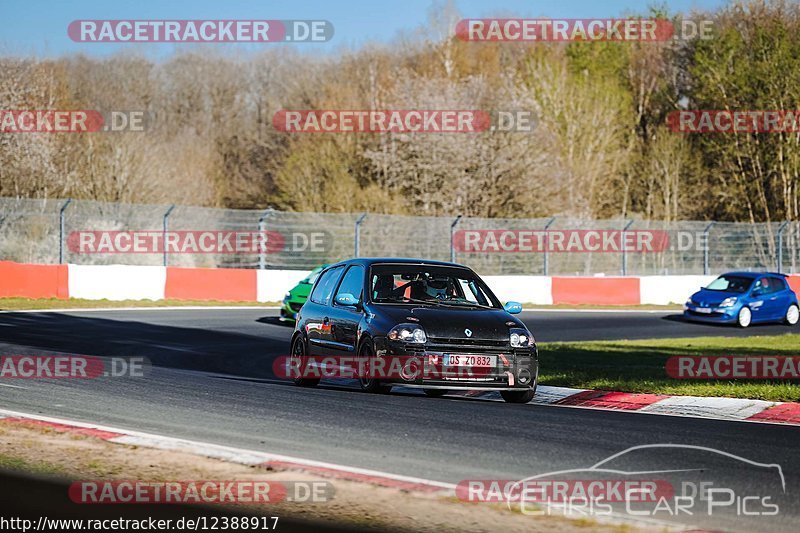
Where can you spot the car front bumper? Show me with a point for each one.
(516, 369)
(289, 309)
(718, 315)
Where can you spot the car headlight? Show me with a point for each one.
(690, 301)
(408, 333)
(287, 296)
(728, 302)
(520, 338)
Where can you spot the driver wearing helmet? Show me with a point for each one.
(437, 289)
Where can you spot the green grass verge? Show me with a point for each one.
(639, 366)
(17, 464)
(20, 304)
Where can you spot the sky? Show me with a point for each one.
(39, 27)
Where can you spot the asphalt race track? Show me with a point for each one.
(211, 380)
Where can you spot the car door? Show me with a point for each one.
(346, 318)
(777, 300)
(756, 300)
(317, 310)
(763, 299)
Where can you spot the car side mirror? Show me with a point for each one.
(513, 308)
(757, 292)
(347, 299)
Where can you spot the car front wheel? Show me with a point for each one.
(792, 315)
(298, 356)
(745, 317)
(513, 396)
(370, 383)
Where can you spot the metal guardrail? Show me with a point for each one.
(36, 231)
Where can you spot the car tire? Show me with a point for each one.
(513, 396)
(744, 318)
(435, 393)
(792, 315)
(299, 351)
(371, 385)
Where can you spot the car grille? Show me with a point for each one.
(713, 314)
(459, 345)
(295, 306)
(499, 375)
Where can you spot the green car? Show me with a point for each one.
(297, 296)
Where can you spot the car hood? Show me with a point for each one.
(712, 298)
(450, 323)
(300, 290)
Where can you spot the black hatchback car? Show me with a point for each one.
(426, 324)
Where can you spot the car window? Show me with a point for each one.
(730, 284)
(434, 284)
(758, 286)
(353, 282)
(767, 285)
(776, 284)
(324, 287)
(312, 277)
(469, 290)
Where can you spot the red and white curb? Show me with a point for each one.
(737, 409)
(227, 453)
(278, 462)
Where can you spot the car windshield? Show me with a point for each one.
(312, 277)
(738, 284)
(430, 285)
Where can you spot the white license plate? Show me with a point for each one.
(705, 310)
(474, 361)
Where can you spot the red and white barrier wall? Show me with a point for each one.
(129, 282)
(33, 281)
(602, 290)
(125, 282)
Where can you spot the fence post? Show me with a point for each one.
(780, 245)
(164, 235)
(625, 248)
(357, 235)
(452, 239)
(705, 248)
(546, 265)
(262, 260)
(61, 231)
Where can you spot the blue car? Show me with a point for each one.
(744, 298)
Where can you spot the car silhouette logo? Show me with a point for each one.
(468, 332)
